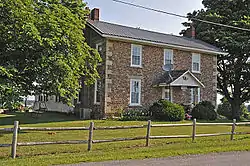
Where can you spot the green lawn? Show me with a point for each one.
(65, 154)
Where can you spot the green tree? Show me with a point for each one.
(9, 91)
(43, 41)
(234, 71)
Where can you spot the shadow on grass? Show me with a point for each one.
(26, 118)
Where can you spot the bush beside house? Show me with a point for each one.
(205, 110)
(167, 111)
(161, 110)
(135, 114)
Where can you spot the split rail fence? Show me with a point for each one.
(91, 128)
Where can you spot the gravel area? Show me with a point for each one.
(217, 159)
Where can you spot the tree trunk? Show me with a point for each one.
(235, 110)
(25, 102)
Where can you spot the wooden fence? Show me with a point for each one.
(91, 128)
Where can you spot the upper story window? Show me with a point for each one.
(135, 92)
(196, 63)
(168, 57)
(136, 55)
(99, 49)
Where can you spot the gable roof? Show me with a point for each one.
(174, 76)
(165, 79)
(116, 31)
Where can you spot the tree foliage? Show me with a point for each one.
(42, 42)
(234, 71)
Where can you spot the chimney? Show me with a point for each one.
(95, 13)
(190, 32)
(193, 31)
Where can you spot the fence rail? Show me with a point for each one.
(91, 129)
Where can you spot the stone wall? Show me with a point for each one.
(120, 72)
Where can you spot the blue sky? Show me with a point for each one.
(127, 15)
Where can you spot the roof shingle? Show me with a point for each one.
(135, 33)
(165, 79)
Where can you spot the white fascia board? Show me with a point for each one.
(196, 79)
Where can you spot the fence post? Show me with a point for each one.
(194, 130)
(90, 141)
(148, 132)
(233, 129)
(14, 139)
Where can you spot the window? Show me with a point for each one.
(166, 95)
(168, 57)
(99, 49)
(136, 55)
(97, 95)
(135, 92)
(196, 63)
(79, 97)
(195, 95)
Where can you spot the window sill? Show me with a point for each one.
(135, 66)
(97, 104)
(197, 72)
(135, 105)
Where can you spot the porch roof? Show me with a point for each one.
(178, 78)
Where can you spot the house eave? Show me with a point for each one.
(196, 79)
(111, 37)
(120, 38)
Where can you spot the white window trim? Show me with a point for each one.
(198, 95)
(172, 56)
(95, 94)
(192, 95)
(78, 97)
(199, 63)
(132, 65)
(96, 47)
(171, 93)
(130, 99)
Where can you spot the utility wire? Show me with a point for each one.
(181, 16)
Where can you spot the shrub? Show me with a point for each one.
(225, 109)
(165, 110)
(205, 110)
(244, 114)
(135, 114)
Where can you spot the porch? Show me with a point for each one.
(180, 86)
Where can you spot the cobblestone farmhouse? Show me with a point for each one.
(133, 72)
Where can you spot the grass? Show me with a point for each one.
(66, 154)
